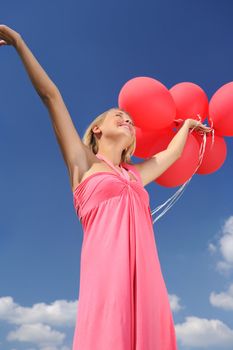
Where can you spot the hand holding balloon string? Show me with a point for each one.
(194, 124)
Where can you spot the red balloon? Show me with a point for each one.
(161, 142)
(213, 158)
(149, 103)
(184, 167)
(190, 100)
(221, 110)
(146, 141)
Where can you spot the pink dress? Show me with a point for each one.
(123, 301)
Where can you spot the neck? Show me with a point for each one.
(113, 155)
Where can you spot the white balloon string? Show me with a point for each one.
(180, 191)
(212, 132)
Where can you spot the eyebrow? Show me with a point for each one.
(127, 114)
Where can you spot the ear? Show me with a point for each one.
(96, 129)
(96, 132)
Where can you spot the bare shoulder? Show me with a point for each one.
(80, 166)
(145, 170)
(137, 166)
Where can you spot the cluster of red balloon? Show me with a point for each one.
(154, 110)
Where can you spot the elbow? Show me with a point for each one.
(50, 95)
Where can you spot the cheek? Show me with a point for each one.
(111, 127)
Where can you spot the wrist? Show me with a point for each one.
(17, 41)
(187, 123)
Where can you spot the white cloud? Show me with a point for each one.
(204, 333)
(212, 248)
(58, 313)
(35, 321)
(223, 266)
(37, 333)
(224, 246)
(175, 303)
(226, 241)
(223, 300)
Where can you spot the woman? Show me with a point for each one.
(123, 301)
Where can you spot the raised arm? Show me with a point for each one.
(75, 154)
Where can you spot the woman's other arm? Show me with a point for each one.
(153, 167)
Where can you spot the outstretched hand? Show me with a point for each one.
(8, 36)
(194, 124)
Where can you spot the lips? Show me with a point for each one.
(125, 125)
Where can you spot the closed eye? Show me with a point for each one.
(132, 123)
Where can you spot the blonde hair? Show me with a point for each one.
(90, 140)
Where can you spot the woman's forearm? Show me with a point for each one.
(178, 141)
(40, 80)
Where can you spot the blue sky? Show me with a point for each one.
(90, 49)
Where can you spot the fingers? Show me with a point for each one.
(8, 35)
(201, 126)
(204, 129)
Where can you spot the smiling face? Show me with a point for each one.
(123, 120)
(117, 123)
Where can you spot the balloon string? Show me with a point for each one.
(212, 132)
(180, 191)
